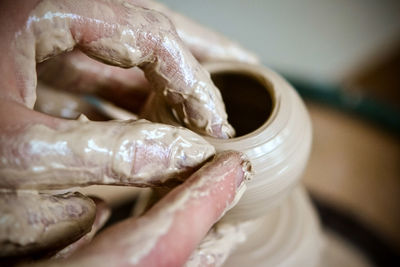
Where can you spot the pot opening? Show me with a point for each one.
(247, 101)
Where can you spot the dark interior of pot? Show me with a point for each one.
(247, 101)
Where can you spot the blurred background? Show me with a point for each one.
(344, 59)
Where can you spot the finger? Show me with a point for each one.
(169, 232)
(103, 212)
(40, 152)
(217, 245)
(204, 43)
(33, 222)
(122, 35)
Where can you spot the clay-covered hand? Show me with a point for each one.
(168, 233)
(124, 34)
(39, 152)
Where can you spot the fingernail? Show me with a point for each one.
(247, 171)
(222, 131)
(227, 131)
(241, 181)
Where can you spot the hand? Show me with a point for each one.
(168, 233)
(39, 152)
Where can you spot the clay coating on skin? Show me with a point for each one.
(136, 153)
(103, 213)
(32, 221)
(228, 172)
(141, 37)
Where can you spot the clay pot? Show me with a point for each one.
(273, 130)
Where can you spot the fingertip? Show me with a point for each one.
(221, 131)
(227, 131)
(103, 212)
(53, 221)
